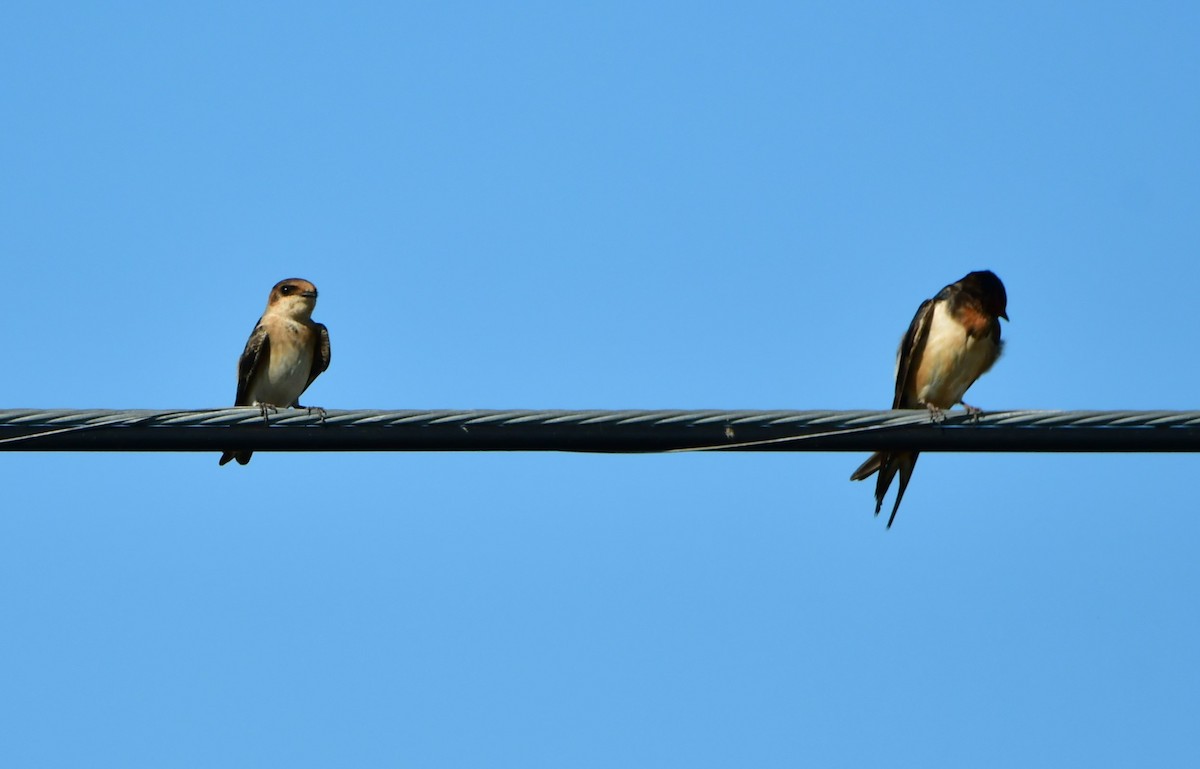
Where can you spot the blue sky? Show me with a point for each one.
(619, 205)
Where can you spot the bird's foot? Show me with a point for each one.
(936, 415)
(974, 412)
(267, 408)
(310, 409)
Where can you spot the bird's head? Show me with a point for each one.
(990, 291)
(294, 297)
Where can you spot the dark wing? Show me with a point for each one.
(911, 348)
(320, 354)
(257, 352)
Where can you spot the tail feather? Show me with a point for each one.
(865, 470)
(242, 457)
(906, 461)
(887, 471)
(887, 465)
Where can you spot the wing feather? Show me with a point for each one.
(320, 354)
(257, 352)
(911, 348)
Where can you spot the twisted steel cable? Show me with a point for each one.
(625, 431)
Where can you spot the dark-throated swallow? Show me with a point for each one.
(953, 339)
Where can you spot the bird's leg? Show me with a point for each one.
(936, 414)
(974, 412)
(264, 409)
(310, 409)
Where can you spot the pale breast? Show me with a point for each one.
(284, 377)
(951, 361)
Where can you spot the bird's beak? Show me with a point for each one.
(313, 295)
(1004, 315)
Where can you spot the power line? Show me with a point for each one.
(596, 431)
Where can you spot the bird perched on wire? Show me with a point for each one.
(287, 350)
(953, 339)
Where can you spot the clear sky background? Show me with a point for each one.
(615, 205)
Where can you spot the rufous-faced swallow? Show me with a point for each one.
(953, 339)
(285, 353)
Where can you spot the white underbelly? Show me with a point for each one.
(282, 380)
(951, 361)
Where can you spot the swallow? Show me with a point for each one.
(286, 351)
(953, 340)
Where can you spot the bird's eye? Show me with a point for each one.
(285, 290)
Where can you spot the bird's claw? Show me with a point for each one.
(974, 412)
(320, 412)
(936, 415)
(267, 408)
